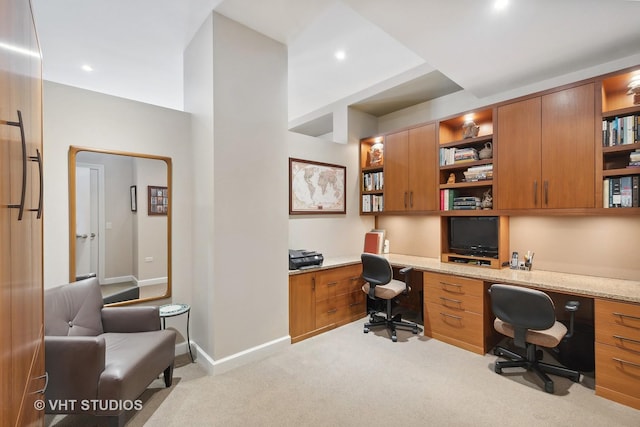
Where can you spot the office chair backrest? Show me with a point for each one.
(522, 308)
(376, 269)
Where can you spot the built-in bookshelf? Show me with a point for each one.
(620, 142)
(466, 161)
(372, 175)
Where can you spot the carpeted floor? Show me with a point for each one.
(347, 378)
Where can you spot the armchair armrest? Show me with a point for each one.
(131, 319)
(407, 277)
(74, 365)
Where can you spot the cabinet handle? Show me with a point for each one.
(38, 158)
(405, 199)
(411, 199)
(445, 284)
(546, 193)
(628, 316)
(626, 339)
(20, 124)
(535, 193)
(451, 300)
(451, 315)
(353, 304)
(353, 279)
(313, 283)
(625, 362)
(46, 383)
(332, 283)
(332, 311)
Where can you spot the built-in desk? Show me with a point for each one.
(616, 308)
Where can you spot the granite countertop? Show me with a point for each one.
(574, 284)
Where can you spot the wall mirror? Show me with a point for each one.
(120, 223)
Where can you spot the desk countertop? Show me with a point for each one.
(574, 284)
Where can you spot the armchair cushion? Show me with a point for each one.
(74, 310)
(131, 319)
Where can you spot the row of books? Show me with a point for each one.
(372, 203)
(479, 173)
(451, 156)
(373, 181)
(634, 158)
(621, 192)
(450, 201)
(621, 131)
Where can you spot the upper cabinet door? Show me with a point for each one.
(519, 157)
(568, 148)
(396, 154)
(423, 173)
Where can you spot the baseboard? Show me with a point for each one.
(217, 367)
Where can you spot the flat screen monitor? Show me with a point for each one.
(474, 235)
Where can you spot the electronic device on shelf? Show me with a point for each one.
(476, 236)
(300, 259)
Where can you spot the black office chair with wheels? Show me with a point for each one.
(528, 316)
(381, 286)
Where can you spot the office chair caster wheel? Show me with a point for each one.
(394, 338)
(415, 331)
(548, 387)
(366, 330)
(497, 369)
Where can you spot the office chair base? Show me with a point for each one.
(391, 324)
(532, 363)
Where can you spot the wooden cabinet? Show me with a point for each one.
(455, 310)
(21, 307)
(324, 299)
(410, 170)
(617, 327)
(546, 155)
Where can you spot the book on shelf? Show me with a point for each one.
(621, 192)
(372, 181)
(621, 130)
(372, 203)
(626, 199)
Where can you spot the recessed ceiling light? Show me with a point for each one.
(500, 4)
(87, 68)
(341, 55)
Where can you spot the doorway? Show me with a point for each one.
(90, 220)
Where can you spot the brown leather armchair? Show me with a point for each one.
(101, 359)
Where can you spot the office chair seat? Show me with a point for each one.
(528, 316)
(380, 285)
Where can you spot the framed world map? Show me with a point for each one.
(316, 188)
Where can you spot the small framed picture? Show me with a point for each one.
(158, 200)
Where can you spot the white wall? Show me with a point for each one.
(240, 166)
(79, 117)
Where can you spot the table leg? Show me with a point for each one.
(188, 338)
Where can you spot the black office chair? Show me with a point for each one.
(380, 285)
(528, 316)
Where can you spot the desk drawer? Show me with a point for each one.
(341, 308)
(454, 302)
(337, 281)
(454, 285)
(624, 317)
(618, 370)
(442, 323)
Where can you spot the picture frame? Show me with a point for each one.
(133, 193)
(158, 200)
(316, 187)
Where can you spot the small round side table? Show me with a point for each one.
(171, 310)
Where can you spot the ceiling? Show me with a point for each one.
(397, 53)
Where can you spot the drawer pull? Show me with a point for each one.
(353, 304)
(332, 311)
(332, 283)
(628, 316)
(451, 315)
(353, 279)
(455, 301)
(624, 362)
(626, 339)
(46, 383)
(458, 287)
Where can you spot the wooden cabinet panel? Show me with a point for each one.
(568, 148)
(324, 299)
(546, 155)
(302, 305)
(410, 173)
(617, 328)
(459, 328)
(454, 285)
(519, 157)
(396, 191)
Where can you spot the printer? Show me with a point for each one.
(300, 259)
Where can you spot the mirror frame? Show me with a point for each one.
(73, 153)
